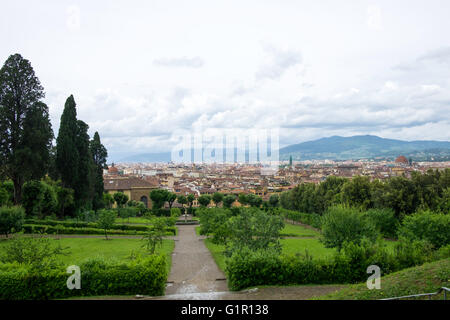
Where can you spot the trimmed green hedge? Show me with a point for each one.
(145, 276)
(48, 229)
(74, 224)
(311, 219)
(247, 268)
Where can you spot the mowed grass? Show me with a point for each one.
(295, 230)
(426, 278)
(80, 249)
(133, 220)
(217, 253)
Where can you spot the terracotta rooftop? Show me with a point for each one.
(126, 183)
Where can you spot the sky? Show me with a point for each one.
(139, 70)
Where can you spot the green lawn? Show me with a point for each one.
(80, 249)
(133, 220)
(426, 278)
(295, 230)
(217, 253)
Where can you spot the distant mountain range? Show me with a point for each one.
(343, 148)
(366, 147)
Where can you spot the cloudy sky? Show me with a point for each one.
(141, 69)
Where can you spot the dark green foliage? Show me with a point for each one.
(171, 197)
(356, 192)
(311, 219)
(154, 236)
(37, 252)
(217, 197)
(99, 155)
(25, 130)
(67, 157)
(98, 277)
(6, 193)
(247, 268)
(429, 226)
(274, 200)
(159, 198)
(39, 199)
(11, 219)
(384, 220)
(255, 229)
(215, 222)
(120, 198)
(228, 201)
(344, 224)
(204, 200)
(84, 184)
(106, 219)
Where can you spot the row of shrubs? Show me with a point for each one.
(59, 229)
(247, 268)
(341, 223)
(145, 276)
(81, 224)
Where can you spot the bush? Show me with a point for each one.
(384, 220)
(311, 219)
(426, 225)
(341, 224)
(247, 268)
(11, 219)
(98, 277)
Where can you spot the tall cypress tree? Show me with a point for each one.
(67, 158)
(99, 155)
(84, 185)
(21, 113)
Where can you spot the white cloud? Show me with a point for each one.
(73, 21)
(374, 21)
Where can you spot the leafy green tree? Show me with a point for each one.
(190, 198)
(228, 201)
(11, 219)
(154, 236)
(217, 198)
(25, 128)
(182, 200)
(99, 155)
(243, 199)
(6, 193)
(159, 198)
(427, 225)
(254, 229)
(106, 220)
(120, 198)
(342, 224)
(171, 197)
(204, 200)
(274, 200)
(400, 195)
(444, 203)
(254, 200)
(108, 200)
(39, 199)
(357, 192)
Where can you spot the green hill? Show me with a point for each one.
(366, 147)
(426, 278)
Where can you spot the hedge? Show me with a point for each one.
(145, 276)
(311, 219)
(48, 229)
(247, 268)
(74, 224)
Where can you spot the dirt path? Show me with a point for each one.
(193, 267)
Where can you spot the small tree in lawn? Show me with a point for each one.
(11, 219)
(154, 236)
(106, 220)
(190, 198)
(120, 198)
(171, 197)
(204, 200)
(182, 200)
(108, 200)
(217, 198)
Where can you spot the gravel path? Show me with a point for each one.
(193, 267)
